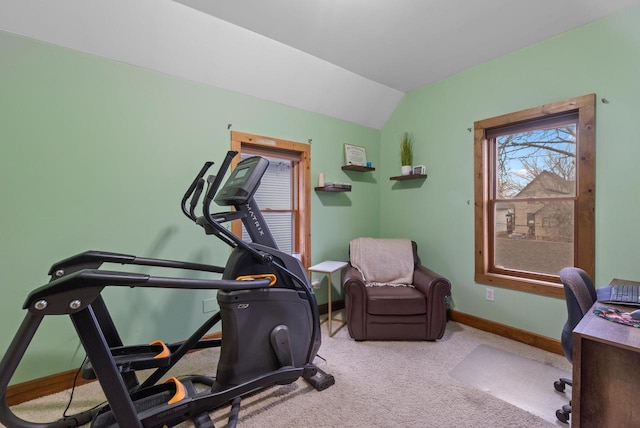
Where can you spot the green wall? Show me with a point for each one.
(97, 154)
(602, 58)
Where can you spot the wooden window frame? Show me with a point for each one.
(260, 143)
(584, 226)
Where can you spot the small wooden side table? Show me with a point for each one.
(328, 268)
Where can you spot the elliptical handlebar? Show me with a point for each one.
(197, 187)
(214, 181)
(217, 180)
(84, 287)
(196, 198)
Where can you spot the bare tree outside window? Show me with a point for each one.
(524, 156)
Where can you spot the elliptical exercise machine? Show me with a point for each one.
(269, 315)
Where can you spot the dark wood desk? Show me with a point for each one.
(606, 373)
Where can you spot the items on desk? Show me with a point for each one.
(616, 315)
(621, 294)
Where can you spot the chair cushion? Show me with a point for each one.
(389, 300)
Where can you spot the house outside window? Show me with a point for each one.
(535, 193)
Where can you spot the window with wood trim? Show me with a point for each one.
(535, 195)
(284, 192)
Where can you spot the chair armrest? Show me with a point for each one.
(354, 287)
(435, 287)
(430, 283)
(352, 275)
(355, 296)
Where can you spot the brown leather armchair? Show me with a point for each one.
(397, 312)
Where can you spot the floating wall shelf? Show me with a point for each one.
(409, 177)
(357, 168)
(331, 189)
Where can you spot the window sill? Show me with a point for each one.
(544, 288)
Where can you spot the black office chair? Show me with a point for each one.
(580, 294)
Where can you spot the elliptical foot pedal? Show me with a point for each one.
(156, 397)
(136, 357)
(321, 380)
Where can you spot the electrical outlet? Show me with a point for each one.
(489, 294)
(209, 305)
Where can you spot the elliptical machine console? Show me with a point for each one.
(243, 182)
(270, 320)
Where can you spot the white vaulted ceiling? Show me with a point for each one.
(349, 59)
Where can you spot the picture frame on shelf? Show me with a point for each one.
(419, 170)
(355, 155)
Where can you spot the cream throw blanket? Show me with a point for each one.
(383, 261)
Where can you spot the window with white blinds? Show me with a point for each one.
(275, 198)
(284, 196)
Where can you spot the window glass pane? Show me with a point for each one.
(275, 193)
(534, 236)
(536, 163)
(281, 226)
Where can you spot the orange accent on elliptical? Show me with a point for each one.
(271, 276)
(180, 390)
(165, 351)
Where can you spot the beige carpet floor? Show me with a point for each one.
(379, 384)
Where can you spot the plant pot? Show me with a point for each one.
(405, 169)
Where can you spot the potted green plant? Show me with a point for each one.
(406, 152)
